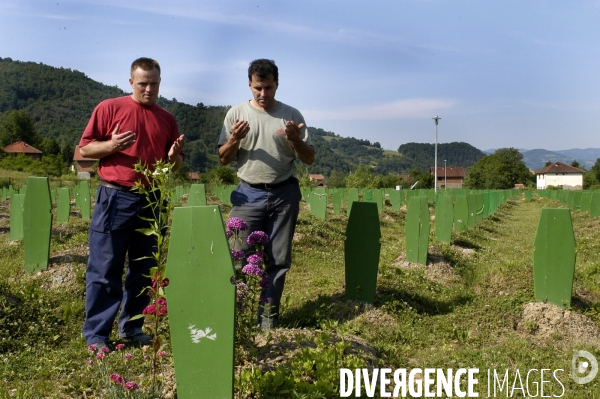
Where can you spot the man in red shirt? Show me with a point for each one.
(121, 132)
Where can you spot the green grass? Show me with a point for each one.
(468, 322)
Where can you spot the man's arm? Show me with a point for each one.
(174, 154)
(229, 150)
(100, 149)
(305, 152)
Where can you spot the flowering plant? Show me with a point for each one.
(157, 191)
(250, 278)
(117, 384)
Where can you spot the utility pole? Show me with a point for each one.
(436, 119)
(445, 183)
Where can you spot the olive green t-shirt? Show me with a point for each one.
(265, 154)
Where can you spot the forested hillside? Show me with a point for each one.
(59, 102)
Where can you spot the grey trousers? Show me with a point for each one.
(274, 211)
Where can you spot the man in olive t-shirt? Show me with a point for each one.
(266, 136)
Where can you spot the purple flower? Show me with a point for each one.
(237, 224)
(254, 259)
(257, 237)
(264, 282)
(242, 289)
(165, 282)
(237, 254)
(228, 232)
(130, 385)
(251, 269)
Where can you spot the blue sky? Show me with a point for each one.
(501, 73)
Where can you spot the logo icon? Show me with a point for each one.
(580, 366)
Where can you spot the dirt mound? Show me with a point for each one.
(277, 347)
(437, 270)
(545, 320)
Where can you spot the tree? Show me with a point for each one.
(336, 179)
(500, 170)
(17, 126)
(575, 164)
(362, 178)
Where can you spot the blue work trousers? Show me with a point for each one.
(112, 238)
(274, 211)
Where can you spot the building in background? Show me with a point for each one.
(449, 176)
(559, 174)
(21, 147)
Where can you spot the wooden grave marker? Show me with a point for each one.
(554, 257)
(197, 195)
(361, 249)
(63, 208)
(201, 302)
(444, 216)
(17, 209)
(417, 230)
(37, 224)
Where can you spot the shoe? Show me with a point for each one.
(140, 339)
(99, 347)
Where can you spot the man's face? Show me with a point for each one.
(263, 91)
(145, 85)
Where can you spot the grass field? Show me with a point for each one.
(464, 310)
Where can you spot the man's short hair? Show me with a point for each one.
(147, 64)
(263, 68)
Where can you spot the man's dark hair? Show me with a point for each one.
(147, 64)
(263, 68)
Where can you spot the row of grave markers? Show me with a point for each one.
(199, 262)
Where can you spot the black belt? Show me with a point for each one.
(268, 186)
(114, 185)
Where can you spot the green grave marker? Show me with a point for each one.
(528, 195)
(197, 195)
(17, 208)
(461, 213)
(417, 230)
(63, 208)
(378, 199)
(586, 198)
(361, 249)
(23, 189)
(337, 202)
(201, 301)
(472, 206)
(396, 200)
(480, 207)
(486, 203)
(37, 224)
(595, 204)
(444, 216)
(318, 204)
(554, 257)
(577, 200)
(85, 200)
(352, 197)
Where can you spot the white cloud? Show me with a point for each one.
(399, 109)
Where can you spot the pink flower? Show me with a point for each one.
(130, 385)
(119, 347)
(90, 362)
(105, 350)
(100, 355)
(162, 311)
(251, 269)
(92, 348)
(150, 309)
(128, 356)
(162, 353)
(161, 301)
(165, 282)
(117, 378)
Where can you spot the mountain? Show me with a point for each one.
(536, 159)
(60, 102)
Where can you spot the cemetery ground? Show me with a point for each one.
(470, 307)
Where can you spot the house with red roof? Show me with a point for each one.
(83, 164)
(21, 147)
(559, 174)
(449, 176)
